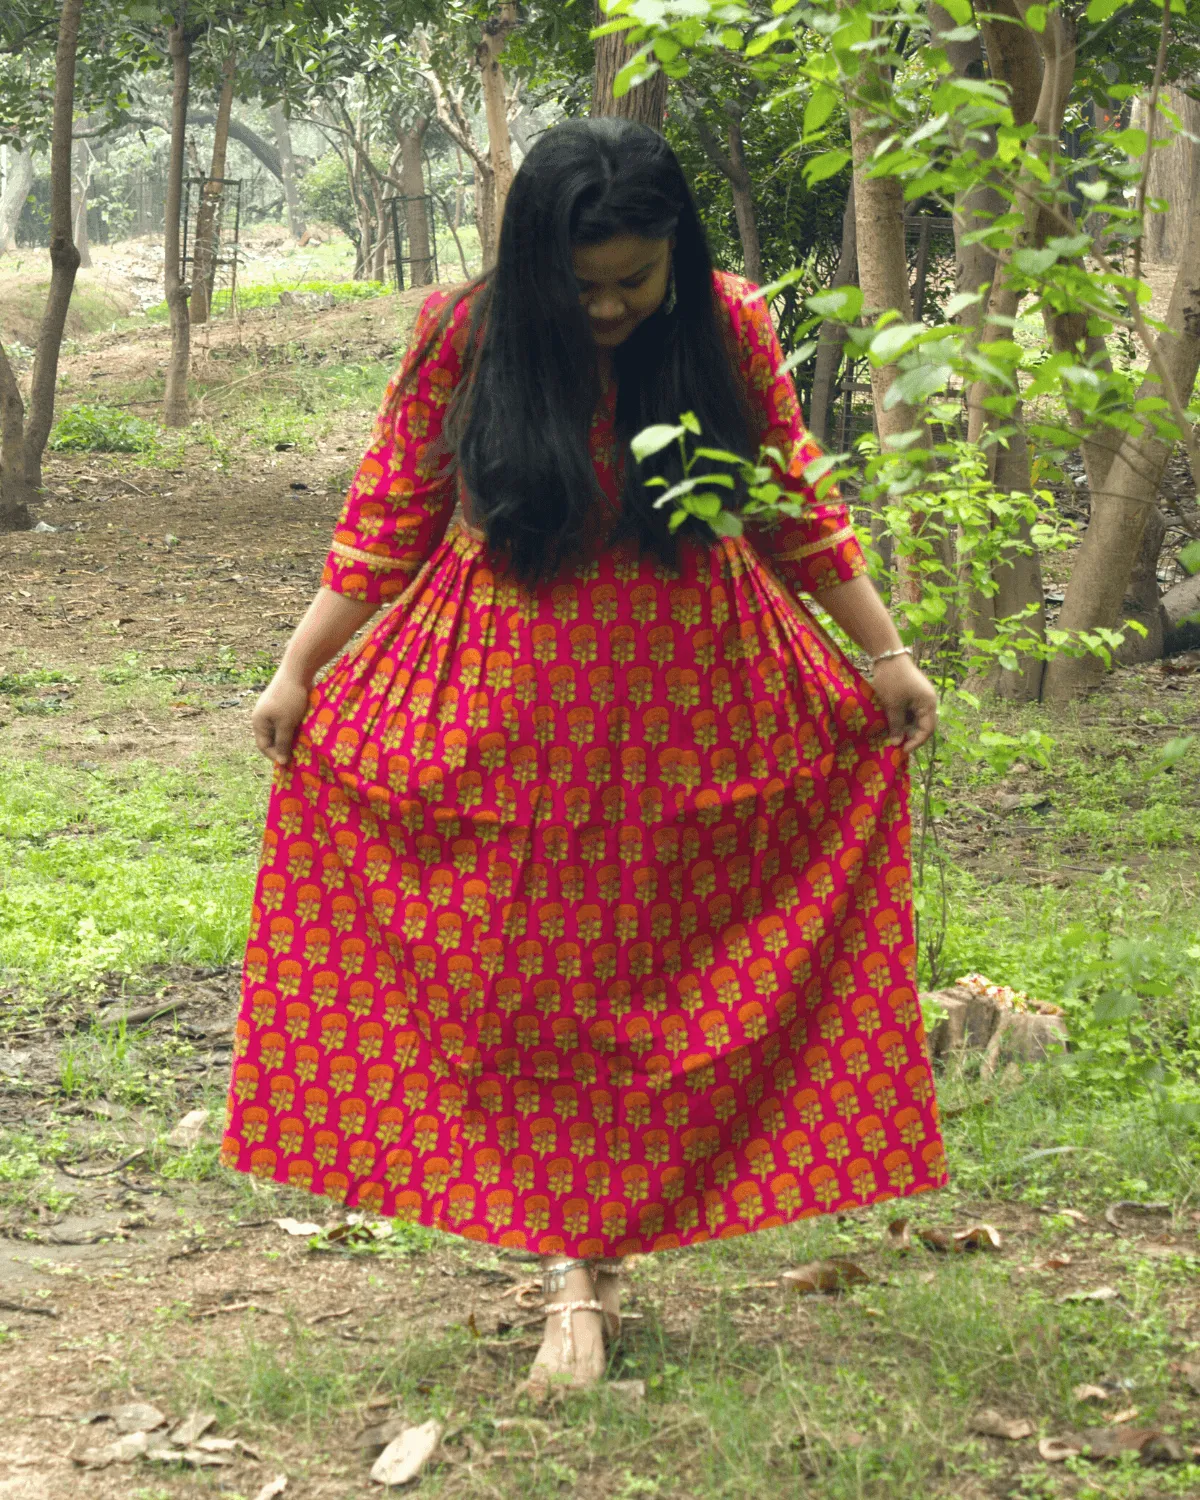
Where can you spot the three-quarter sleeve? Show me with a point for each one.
(819, 549)
(403, 493)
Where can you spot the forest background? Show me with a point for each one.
(978, 231)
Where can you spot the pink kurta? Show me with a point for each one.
(584, 920)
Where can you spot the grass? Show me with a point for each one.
(115, 870)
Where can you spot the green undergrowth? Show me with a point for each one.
(112, 870)
(266, 294)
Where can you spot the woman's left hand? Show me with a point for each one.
(908, 698)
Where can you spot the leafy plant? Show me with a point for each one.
(101, 429)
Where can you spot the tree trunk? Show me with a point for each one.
(1121, 510)
(1180, 609)
(16, 190)
(882, 263)
(16, 496)
(412, 186)
(287, 165)
(83, 175)
(485, 213)
(495, 104)
(743, 204)
(208, 217)
(1141, 602)
(646, 103)
(1016, 60)
(175, 399)
(832, 338)
(64, 258)
(1172, 172)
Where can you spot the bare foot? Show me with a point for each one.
(572, 1353)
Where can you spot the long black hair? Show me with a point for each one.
(522, 415)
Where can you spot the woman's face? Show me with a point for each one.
(621, 282)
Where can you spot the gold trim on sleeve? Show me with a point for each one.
(373, 559)
(811, 548)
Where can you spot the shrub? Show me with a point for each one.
(100, 429)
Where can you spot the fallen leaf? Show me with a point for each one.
(898, 1235)
(1053, 1263)
(1099, 1294)
(1189, 1371)
(940, 1240)
(1128, 1206)
(977, 1237)
(216, 1445)
(122, 1450)
(296, 1227)
(825, 1276)
(1068, 1213)
(137, 1416)
(405, 1456)
(194, 1458)
(1091, 1393)
(1057, 1450)
(1111, 1442)
(990, 1423)
(273, 1488)
(627, 1392)
(1162, 1448)
(371, 1441)
(185, 1433)
(189, 1129)
(1127, 1414)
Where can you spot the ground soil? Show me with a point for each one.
(142, 1277)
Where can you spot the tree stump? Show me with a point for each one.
(979, 1023)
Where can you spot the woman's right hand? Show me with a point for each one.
(277, 716)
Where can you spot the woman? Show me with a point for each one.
(584, 919)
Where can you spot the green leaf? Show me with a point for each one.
(1189, 557)
(1115, 1005)
(653, 440)
(841, 302)
(828, 164)
(958, 10)
(961, 300)
(666, 48)
(1034, 262)
(914, 385)
(888, 344)
(1100, 10)
(1035, 18)
(818, 109)
(1095, 191)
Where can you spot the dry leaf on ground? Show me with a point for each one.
(936, 1239)
(990, 1423)
(189, 1130)
(1098, 1294)
(1057, 1450)
(977, 1237)
(136, 1416)
(1189, 1373)
(193, 1458)
(898, 1235)
(296, 1227)
(273, 1488)
(185, 1433)
(1091, 1393)
(627, 1392)
(1057, 1262)
(1127, 1414)
(405, 1457)
(833, 1275)
(122, 1450)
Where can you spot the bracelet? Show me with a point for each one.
(888, 655)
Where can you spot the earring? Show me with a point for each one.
(670, 299)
